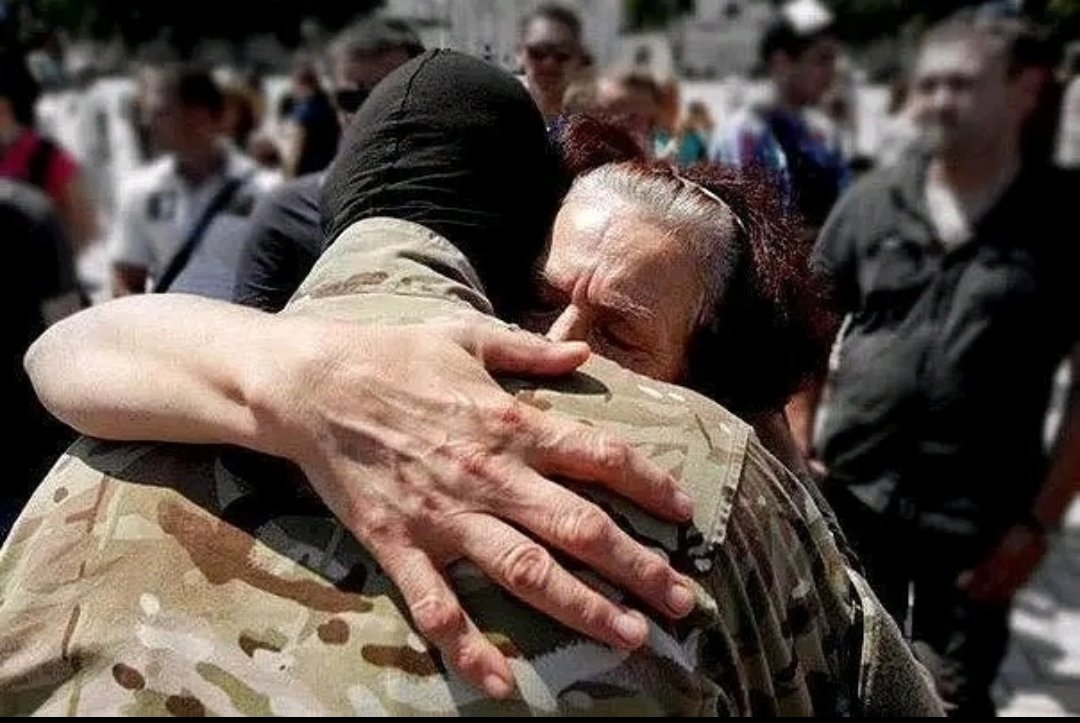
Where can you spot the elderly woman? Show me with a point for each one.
(187, 383)
(691, 276)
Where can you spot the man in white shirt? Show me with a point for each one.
(184, 216)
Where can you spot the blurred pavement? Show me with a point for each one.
(1041, 674)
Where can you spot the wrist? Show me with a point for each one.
(271, 386)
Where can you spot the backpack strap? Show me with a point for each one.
(198, 231)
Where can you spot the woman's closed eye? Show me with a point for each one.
(547, 303)
(617, 336)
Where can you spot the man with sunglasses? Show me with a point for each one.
(285, 237)
(551, 54)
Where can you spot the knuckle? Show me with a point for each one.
(527, 567)
(424, 504)
(486, 477)
(375, 525)
(509, 417)
(666, 489)
(437, 617)
(468, 657)
(648, 567)
(476, 462)
(592, 612)
(584, 526)
(613, 453)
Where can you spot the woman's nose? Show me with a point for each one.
(569, 326)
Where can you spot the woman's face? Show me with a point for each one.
(622, 284)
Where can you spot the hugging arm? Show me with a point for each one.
(402, 433)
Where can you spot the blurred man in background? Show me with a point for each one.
(955, 267)
(27, 156)
(785, 135)
(285, 237)
(181, 219)
(551, 54)
(313, 130)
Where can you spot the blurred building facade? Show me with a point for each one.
(718, 39)
(489, 28)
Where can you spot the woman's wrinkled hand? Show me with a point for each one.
(426, 460)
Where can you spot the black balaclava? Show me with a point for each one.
(453, 143)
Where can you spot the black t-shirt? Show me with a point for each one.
(41, 272)
(284, 241)
(936, 407)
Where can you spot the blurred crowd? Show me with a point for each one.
(726, 248)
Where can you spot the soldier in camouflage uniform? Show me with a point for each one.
(151, 578)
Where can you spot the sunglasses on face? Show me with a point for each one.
(540, 52)
(350, 100)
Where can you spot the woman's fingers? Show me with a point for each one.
(500, 483)
(440, 619)
(561, 446)
(513, 351)
(562, 519)
(529, 572)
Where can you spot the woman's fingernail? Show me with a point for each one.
(684, 505)
(632, 628)
(680, 599)
(497, 686)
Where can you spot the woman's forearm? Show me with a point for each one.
(163, 367)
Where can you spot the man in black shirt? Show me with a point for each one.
(285, 238)
(957, 272)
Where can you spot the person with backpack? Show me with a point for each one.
(784, 135)
(182, 219)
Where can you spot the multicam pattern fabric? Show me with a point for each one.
(150, 579)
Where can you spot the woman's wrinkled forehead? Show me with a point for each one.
(618, 251)
(661, 195)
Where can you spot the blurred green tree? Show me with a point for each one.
(862, 22)
(1065, 16)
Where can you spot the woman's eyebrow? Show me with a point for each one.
(612, 302)
(616, 303)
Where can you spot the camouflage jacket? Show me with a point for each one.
(148, 579)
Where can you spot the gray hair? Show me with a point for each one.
(683, 209)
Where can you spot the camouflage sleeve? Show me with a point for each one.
(781, 589)
(891, 682)
(808, 636)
